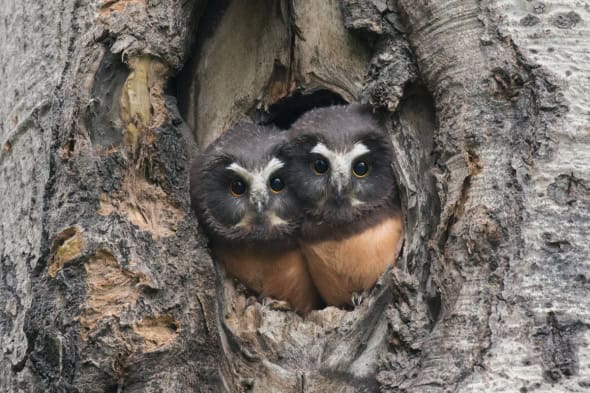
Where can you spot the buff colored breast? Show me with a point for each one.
(281, 275)
(343, 266)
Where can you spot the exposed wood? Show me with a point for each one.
(116, 291)
(251, 54)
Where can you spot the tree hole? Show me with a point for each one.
(102, 114)
(272, 62)
(287, 110)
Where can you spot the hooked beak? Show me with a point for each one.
(340, 177)
(259, 196)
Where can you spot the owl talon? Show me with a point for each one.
(357, 298)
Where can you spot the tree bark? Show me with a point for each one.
(106, 283)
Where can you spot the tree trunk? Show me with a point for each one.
(106, 283)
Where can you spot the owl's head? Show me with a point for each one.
(340, 160)
(238, 186)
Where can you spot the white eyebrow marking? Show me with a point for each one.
(358, 149)
(257, 179)
(273, 165)
(320, 148)
(240, 171)
(341, 162)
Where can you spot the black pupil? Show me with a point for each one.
(238, 187)
(321, 165)
(276, 183)
(361, 168)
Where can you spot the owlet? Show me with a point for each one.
(340, 163)
(241, 196)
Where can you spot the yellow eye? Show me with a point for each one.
(360, 169)
(320, 166)
(276, 184)
(237, 187)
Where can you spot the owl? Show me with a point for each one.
(340, 165)
(242, 198)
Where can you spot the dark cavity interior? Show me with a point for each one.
(287, 110)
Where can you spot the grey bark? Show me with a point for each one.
(106, 283)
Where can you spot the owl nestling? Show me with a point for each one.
(241, 197)
(340, 163)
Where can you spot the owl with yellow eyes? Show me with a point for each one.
(339, 162)
(241, 195)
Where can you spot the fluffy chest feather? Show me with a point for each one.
(340, 267)
(280, 274)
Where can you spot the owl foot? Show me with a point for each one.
(356, 299)
(277, 305)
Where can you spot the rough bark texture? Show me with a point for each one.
(106, 284)
(509, 256)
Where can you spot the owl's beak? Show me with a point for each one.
(258, 195)
(259, 203)
(340, 178)
(340, 184)
(339, 187)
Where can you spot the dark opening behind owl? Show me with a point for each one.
(340, 162)
(241, 197)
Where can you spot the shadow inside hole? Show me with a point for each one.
(101, 116)
(287, 110)
(434, 302)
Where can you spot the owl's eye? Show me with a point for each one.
(360, 169)
(237, 187)
(320, 166)
(276, 184)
